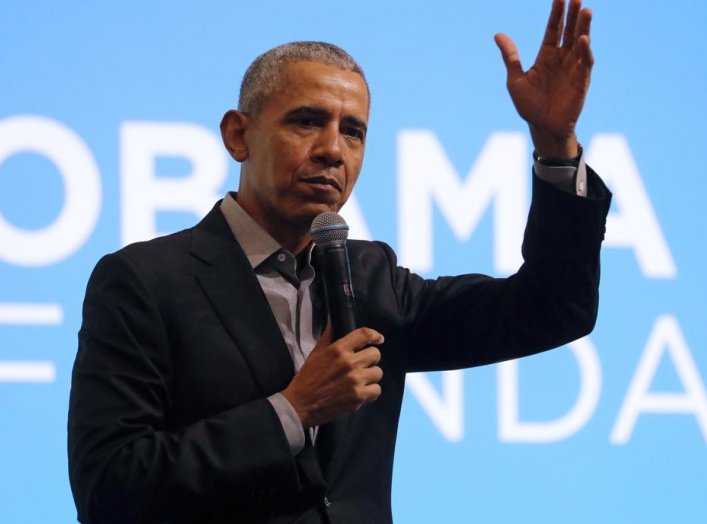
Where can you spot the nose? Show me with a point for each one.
(327, 149)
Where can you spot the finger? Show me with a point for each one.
(585, 52)
(325, 339)
(360, 338)
(369, 393)
(570, 36)
(372, 375)
(510, 55)
(553, 31)
(584, 22)
(367, 357)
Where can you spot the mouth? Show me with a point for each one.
(326, 181)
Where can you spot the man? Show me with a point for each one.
(207, 387)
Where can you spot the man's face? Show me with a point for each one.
(304, 149)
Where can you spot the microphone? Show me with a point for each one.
(329, 233)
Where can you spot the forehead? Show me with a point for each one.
(317, 84)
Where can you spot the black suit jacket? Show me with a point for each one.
(178, 351)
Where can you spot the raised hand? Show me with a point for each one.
(337, 378)
(550, 95)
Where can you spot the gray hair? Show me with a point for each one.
(264, 76)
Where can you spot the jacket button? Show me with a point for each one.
(327, 503)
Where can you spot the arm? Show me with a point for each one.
(553, 298)
(472, 320)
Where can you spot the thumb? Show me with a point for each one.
(327, 336)
(511, 59)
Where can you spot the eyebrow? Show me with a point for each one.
(323, 113)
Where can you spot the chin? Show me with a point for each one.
(323, 206)
(310, 211)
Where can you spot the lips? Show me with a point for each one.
(324, 180)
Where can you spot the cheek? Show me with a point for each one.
(351, 178)
(353, 169)
(289, 156)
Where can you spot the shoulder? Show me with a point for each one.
(369, 248)
(369, 254)
(376, 263)
(153, 256)
(178, 251)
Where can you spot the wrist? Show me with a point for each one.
(292, 399)
(554, 148)
(559, 162)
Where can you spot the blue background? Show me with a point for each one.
(431, 65)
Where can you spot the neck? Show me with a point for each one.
(292, 236)
(295, 244)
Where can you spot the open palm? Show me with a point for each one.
(550, 95)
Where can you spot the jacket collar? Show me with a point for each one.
(234, 292)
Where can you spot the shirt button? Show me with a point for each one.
(327, 503)
(281, 257)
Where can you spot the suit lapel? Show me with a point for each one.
(234, 292)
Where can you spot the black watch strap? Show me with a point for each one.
(553, 162)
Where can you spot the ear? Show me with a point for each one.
(233, 126)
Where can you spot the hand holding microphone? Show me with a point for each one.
(341, 373)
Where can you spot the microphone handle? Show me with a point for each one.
(333, 262)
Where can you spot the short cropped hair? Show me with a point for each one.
(264, 76)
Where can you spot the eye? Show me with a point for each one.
(355, 132)
(306, 121)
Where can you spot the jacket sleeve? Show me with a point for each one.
(471, 320)
(127, 461)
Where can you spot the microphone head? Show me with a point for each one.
(329, 227)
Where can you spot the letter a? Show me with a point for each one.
(666, 335)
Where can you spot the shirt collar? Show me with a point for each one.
(256, 243)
